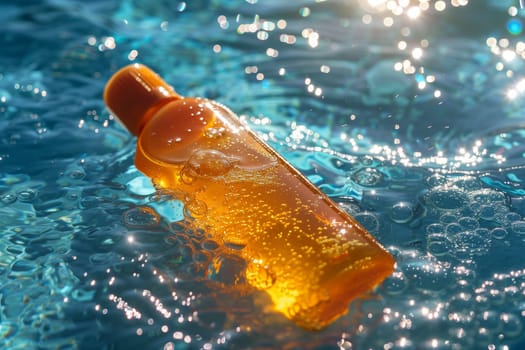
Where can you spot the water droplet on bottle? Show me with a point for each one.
(259, 276)
(195, 208)
(141, 217)
(214, 133)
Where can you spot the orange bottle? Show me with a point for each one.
(311, 257)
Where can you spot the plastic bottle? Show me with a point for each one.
(311, 257)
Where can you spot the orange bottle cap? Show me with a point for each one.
(132, 92)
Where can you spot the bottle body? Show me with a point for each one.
(299, 247)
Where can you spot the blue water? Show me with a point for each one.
(411, 117)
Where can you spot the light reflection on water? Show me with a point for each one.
(408, 113)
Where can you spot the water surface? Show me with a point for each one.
(407, 113)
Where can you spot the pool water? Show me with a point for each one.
(407, 113)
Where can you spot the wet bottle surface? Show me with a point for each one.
(306, 253)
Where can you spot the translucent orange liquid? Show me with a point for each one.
(306, 253)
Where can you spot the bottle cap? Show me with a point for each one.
(133, 91)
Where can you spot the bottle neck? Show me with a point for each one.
(134, 92)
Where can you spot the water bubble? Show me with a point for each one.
(487, 197)
(461, 304)
(436, 180)
(178, 227)
(468, 223)
(201, 257)
(367, 177)
(395, 284)
(435, 228)
(369, 161)
(490, 320)
(447, 198)
(511, 217)
(487, 212)
(259, 276)
(368, 220)
(209, 244)
(468, 183)
(235, 239)
(198, 233)
(402, 212)
(495, 296)
(453, 229)
(439, 244)
(429, 277)
(187, 176)
(26, 195)
(499, 233)
(470, 243)
(464, 274)
(196, 208)
(141, 217)
(77, 174)
(448, 218)
(512, 326)
(518, 227)
(8, 198)
(209, 163)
